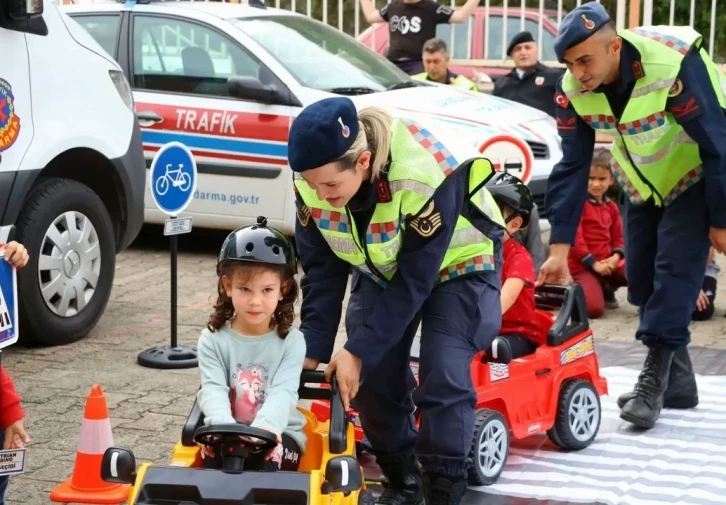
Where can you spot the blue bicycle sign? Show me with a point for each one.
(180, 179)
(173, 178)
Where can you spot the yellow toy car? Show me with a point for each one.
(328, 473)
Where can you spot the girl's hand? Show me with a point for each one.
(206, 450)
(15, 253)
(15, 436)
(271, 453)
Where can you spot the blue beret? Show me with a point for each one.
(322, 133)
(578, 26)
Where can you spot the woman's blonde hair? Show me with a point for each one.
(374, 136)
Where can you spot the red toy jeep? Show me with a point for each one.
(555, 390)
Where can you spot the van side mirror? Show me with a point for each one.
(25, 9)
(118, 466)
(249, 88)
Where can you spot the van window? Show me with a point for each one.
(103, 28)
(186, 57)
(514, 26)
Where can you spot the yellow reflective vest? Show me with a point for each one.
(419, 164)
(653, 156)
(459, 81)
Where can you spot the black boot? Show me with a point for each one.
(443, 490)
(682, 391)
(644, 408)
(403, 480)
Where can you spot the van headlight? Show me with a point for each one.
(123, 88)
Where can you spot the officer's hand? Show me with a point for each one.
(718, 239)
(16, 254)
(702, 301)
(310, 364)
(554, 271)
(346, 368)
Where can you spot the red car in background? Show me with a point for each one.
(468, 59)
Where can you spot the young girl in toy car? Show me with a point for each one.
(250, 357)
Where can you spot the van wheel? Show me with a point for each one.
(66, 284)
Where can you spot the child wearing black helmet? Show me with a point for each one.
(519, 328)
(250, 356)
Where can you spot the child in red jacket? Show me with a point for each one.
(597, 259)
(12, 435)
(519, 320)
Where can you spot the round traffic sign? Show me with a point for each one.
(173, 178)
(509, 154)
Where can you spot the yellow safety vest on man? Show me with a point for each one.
(419, 164)
(459, 81)
(653, 156)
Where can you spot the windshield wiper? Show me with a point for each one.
(352, 90)
(404, 85)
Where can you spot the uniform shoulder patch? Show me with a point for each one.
(304, 215)
(427, 222)
(676, 89)
(562, 100)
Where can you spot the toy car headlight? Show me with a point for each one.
(118, 465)
(342, 475)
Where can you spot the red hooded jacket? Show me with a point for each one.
(10, 409)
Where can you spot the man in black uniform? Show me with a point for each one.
(530, 82)
(411, 23)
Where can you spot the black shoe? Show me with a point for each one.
(403, 480)
(442, 490)
(682, 391)
(644, 408)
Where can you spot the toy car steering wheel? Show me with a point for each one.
(238, 434)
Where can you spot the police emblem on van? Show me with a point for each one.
(9, 121)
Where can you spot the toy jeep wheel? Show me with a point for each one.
(365, 497)
(490, 448)
(578, 416)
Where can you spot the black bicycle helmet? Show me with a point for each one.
(259, 243)
(510, 190)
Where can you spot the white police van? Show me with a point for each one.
(72, 171)
(227, 80)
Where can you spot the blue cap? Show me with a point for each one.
(322, 133)
(578, 26)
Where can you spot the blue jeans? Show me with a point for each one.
(4, 479)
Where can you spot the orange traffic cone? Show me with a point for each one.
(85, 484)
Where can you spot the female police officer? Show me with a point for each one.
(412, 218)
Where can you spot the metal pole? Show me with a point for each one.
(634, 14)
(173, 291)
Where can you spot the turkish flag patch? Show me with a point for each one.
(562, 100)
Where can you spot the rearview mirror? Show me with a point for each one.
(249, 88)
(24, 9)
(119, 466)
(342, 475)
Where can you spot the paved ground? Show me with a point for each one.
(148, 407)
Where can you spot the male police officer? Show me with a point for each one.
(530, 82)
(661, 97)
(436, 65)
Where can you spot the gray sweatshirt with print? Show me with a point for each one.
(252, 380)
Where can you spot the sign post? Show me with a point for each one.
(172, 181)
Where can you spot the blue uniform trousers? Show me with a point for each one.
(460, 318)
(667, 249)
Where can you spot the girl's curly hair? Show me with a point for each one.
(284, 314)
